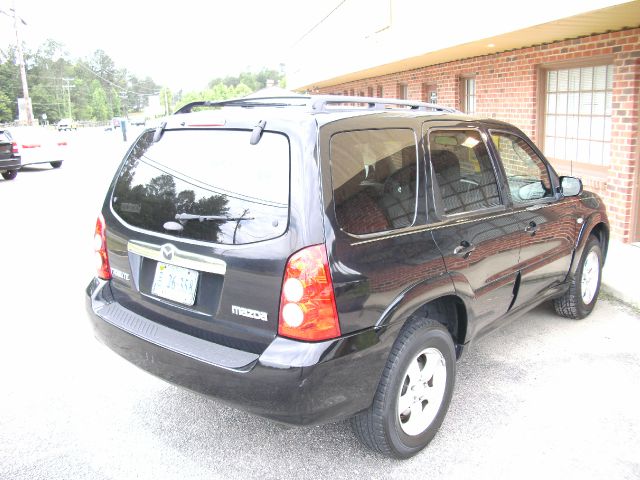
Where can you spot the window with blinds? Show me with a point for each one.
(577, 121)
(468, 95)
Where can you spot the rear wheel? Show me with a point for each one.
(10, 174)
(579, 300)
(414, 392)
(57, 164)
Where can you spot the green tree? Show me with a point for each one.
(253, 80)
(167, 99)
(6, 108)
(99, 107)
(9, 83)
(61, 86)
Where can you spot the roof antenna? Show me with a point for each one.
(256, 134)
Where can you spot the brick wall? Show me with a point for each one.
(507, 89)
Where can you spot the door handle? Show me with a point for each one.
(532, 228)
(464, 249)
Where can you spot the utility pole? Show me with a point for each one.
(166, 102)
(67, 86)
(23, 70)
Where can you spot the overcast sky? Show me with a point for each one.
(183, 44)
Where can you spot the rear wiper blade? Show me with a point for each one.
(185, 217)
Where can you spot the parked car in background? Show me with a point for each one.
(9, 157)
(316, 258)
(38, 145)
(137, 120)
(67, 124)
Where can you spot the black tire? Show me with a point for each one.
(57, 164)
(10, 174)
(379, 428)
(571, 304)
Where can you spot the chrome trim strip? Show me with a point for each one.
(181, 258)
(448, 223)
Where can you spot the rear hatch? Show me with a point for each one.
(196, 232)
(6, 147)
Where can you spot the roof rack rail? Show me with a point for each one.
(247, 102)
(320, 103)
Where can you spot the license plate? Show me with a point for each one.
(175, 283)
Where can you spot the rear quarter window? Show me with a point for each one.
(209, 185)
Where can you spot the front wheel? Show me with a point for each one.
(579, 300)
(57, 164)
(414, 392)
(10, 174)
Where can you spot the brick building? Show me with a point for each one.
(576, 94)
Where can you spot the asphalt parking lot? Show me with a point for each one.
(545, 397)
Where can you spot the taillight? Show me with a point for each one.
(14, 148)
(31, 145)
(307, 302)
(62, 144)
(100, 247)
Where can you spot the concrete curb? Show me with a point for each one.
(621, 273)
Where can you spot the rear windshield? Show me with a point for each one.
(210, 185)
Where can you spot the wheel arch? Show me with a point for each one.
(595, 225)
(426, 300)
(601, 232)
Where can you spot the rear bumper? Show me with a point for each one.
(291, 382)
(10, 164)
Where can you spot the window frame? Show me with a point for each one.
(553, 176)
(416, 213)
(403, 91)
(436, 196)
(464, 94)
(600, 172)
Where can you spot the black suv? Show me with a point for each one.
(9, 158)
(314, 258)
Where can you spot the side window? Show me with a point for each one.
(463, 170)
(527, 174)
(374, 179)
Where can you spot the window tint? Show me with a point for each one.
(463, 171)
(374, 179)
(239, 191)
(526, 172)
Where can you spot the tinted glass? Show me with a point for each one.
(5, 146)
(239, 192)
(526, 172)
(374, 179)
(463, 170)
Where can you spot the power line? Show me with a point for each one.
(319, 23)
(114, 84)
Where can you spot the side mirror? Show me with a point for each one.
(570, 186)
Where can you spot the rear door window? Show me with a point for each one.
(463, 171)
(209, 185)
(374, 179)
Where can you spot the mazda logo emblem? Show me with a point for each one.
(168, 251)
